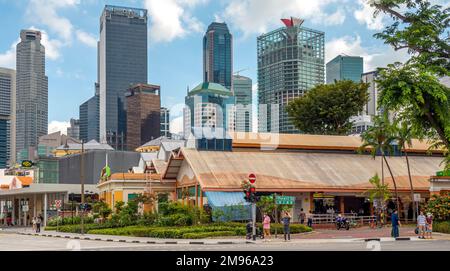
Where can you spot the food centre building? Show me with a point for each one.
(322, 172)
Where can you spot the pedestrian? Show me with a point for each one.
(266, 227)
(310, 220)
(302, 216)
(429, 226)
(286, 223)
(34, 224)
(395, 224)
(38, 224)
(421, 223)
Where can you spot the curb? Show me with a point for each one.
(132, 241)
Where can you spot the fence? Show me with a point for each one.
(352, 217)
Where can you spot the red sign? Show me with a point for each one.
(252, 178)
(58, 203)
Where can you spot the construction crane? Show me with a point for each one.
(237, 73)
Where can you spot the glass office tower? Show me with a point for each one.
(89, 119)
(290, 62)
(218, 55)
(345, 67)
(243, 92)
(122, 62)
(7, 117)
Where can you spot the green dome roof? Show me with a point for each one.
(211, 88)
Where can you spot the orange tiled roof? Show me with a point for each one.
(25, 180)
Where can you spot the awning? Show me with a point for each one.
(231, 204)
(222, 199)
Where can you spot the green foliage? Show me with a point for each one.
(266, 205)
(442, 226)
(326, 109)
(379, 137)
(148, 219)
(380, 192)
(118, 206)
(199, 235)
(101, 208)
(439, 206)
(68, 220)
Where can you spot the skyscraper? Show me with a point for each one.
(344, 67)
(218, 55)
(290, 62)
(74, 130)
(122, 62)
(7, 117)
(243, 92)
(89, 119)
(143, 114)
(32, 90)
(165, 122)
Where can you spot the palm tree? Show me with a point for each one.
(403, 135)
(379, 139)
(379, 191)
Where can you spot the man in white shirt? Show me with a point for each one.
(421, 223)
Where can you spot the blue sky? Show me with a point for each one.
(176, 29)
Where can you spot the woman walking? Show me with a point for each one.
(266, 227)
(429, 225)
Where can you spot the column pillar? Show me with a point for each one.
(13, 215)
(44, 223)
(34, 205)
(196, 195)
(341, 204)
(311, 201)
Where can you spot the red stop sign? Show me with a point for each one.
(252, 178)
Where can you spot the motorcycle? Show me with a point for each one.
(342, 223)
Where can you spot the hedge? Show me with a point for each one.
(443, 226)
(199, 235)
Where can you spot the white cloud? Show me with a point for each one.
(257, 16)
(176, 125)
(55, 126)
(8, 59)
(171, 19)
(45, 12)
(364, 15)
(86, 38)
(52, 46)
(374, 57)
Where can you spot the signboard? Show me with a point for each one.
(25, 208)
(321, 196)
(416, 197)
(27, 163)
(252, 178)
(289, 200)
(58, 203)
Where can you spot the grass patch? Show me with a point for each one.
(443, 226)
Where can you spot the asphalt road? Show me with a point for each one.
(11, 241)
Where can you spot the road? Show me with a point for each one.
(16, 242)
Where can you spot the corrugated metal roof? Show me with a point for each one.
(302, 170)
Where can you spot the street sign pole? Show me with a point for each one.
(254, 220)
(276, 214)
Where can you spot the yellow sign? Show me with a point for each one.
(27, 163)
(321, 196)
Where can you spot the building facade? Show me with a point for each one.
(165, 122)
(74, 130)
(344, 67)
(7, 117)
(218, 55)
(143, 104)
(290, 62)
(242, 87)
(89, 119)
(31, 91)
(209, 115)
(122, 62)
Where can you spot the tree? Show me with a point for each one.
(403, 136)
(326, 109)
(102, 208)
(379, 139)
(379, 192)
(422, 29)
(439, 206)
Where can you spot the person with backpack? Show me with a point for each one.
(286, 226)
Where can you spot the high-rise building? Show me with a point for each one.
(31, 91)
(218, 55)
(209, 114)
(243, 92)
(122, 62)
(89, 119)
(165, 122)
(344, 67)
(74, 130)
(7, 117)
(143, 104)
(290, 62)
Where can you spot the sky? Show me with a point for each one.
(175, 31)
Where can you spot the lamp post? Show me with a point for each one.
(82, 186)
(72, 195)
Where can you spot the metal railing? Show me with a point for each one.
(352, 217)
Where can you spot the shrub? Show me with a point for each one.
(69, 220)
(148, 219)
(199, 235)
(439, 206)
(443, 226)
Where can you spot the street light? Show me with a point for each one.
(82, 185)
